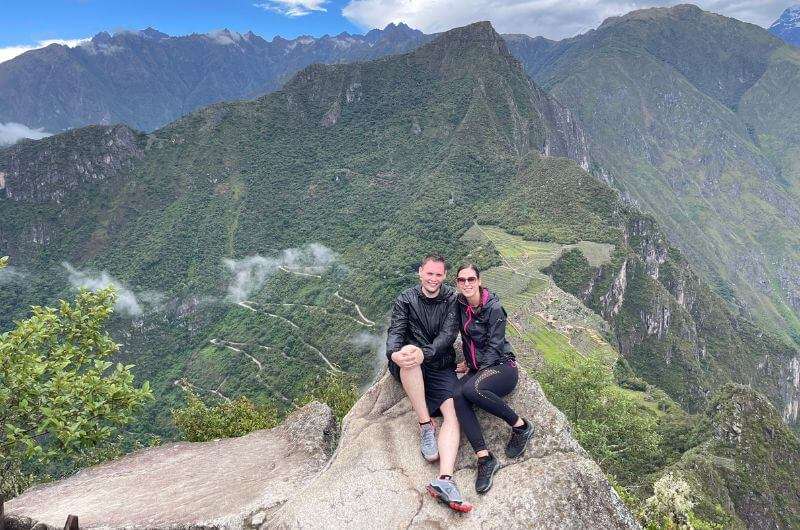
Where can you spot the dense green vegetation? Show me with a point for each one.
(197, 422)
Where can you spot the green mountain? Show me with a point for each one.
(690, 115)
(257, 245)
(376, 162)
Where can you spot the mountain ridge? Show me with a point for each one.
(148, 78)
(698, 137)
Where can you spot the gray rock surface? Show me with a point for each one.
(279, 478)
(377, 478)
(219, 484)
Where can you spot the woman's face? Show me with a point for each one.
(468, 282)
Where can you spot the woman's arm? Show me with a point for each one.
(496, 329)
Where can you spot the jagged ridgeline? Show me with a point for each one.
(323, 196)
(147, 78)
(693, 116)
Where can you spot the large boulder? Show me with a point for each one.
(229, 483)
(377, 476)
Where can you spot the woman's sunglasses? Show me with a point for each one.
(471, 279)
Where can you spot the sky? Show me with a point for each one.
(35, 23)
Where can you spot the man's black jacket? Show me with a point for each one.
(429, 323)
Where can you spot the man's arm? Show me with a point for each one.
(398, 325)
(447, 333)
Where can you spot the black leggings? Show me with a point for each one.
(485, 389)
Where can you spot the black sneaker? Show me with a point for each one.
(519, 439)
(486, 469)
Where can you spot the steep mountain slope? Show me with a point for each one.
(690, 116)
(147, 78)
(787, 27)
(747, 462)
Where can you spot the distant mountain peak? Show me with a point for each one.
(787, 27)
(224, 36)
(153, 33)
(789, 18)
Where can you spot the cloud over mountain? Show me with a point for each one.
(9, 52)
(128, 302)
(250, 273)
(11, 133)
(548, 18)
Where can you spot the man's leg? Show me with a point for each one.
(414, 385)
(449, 436)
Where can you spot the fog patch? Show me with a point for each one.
(127, 303)
(11, 133)
(376, 344)
(250, 273)
(11, 275)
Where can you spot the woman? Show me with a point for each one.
(491, 373)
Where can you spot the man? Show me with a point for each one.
(421, 357)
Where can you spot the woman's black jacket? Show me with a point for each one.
(483, 332)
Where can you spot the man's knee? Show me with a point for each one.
(448, 409)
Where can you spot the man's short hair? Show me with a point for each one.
(435, 257)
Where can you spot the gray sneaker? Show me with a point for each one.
(427, 443)
(445, 491)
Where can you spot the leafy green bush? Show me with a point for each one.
(198, 422)
(59, 396)
(670, 507)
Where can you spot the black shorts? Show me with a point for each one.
(440, 385)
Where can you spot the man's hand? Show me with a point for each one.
(408, 356)
(461, 368)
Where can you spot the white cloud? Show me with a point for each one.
(554, 19)
(250, 273)
(293, 8)
(9, 52)
(13, 132)
(126, 303)
(11, 275)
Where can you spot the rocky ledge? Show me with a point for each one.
(231, 483)
(284, 477)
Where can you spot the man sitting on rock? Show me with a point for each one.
(420, 350)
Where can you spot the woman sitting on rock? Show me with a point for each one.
(491, 373)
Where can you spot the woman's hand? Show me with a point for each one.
(461, 368)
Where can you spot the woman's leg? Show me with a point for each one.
(487, 388)
(466, 415)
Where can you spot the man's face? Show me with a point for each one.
(431, 276)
